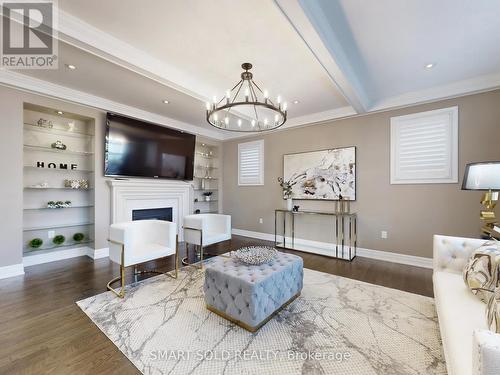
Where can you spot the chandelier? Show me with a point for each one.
(246, 108)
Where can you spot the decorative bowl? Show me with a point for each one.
(255, 255)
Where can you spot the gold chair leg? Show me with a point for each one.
(176, 274)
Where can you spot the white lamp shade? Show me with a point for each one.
(482, 176)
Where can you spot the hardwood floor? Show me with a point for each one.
(43, 331)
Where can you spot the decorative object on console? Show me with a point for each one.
(207, 195)
(255, 255)
(77, 184)
(58, 145)
(35, 243)
(485, 176)
(480, 273)
(342, 206)
(493, 311)
(324, 175)
(268, 115)
(287, 193)
(59, 239)
(78, 237)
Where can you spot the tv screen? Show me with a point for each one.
(139, 149)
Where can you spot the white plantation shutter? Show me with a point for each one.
(424, 147)
(251, 163)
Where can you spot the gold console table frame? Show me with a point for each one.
(340, 251)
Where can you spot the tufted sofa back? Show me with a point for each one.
(451, 253)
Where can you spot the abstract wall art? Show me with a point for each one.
(322, 175)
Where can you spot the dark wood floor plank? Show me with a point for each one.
(43, 331)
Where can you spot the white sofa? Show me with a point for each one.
(469, 347)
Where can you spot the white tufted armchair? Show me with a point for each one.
(469, 347)
(206, 229)
(135, 242)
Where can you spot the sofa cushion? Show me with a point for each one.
(460, 313)
(481, 271)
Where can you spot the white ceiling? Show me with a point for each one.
(337, 57)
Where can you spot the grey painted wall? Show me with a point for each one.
(410, 213)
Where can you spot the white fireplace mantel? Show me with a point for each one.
(129, 195)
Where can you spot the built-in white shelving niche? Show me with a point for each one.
(206, 178)
(46, 168)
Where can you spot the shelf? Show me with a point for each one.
(205, 167)
(205, 156)
(54, 209)
(52, 246)
(55, 188)
(31, 229)
(210, 201)
(206, 178)
(58, 170)
(215, 189)
(55, 150)
(57, 131)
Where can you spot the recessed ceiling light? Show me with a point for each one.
(296, 102)
(70, 66)
(60, 112)
(430, 66)
(165, 101)
(203, 144)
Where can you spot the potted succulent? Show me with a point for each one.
(287, 193)
(67, 204)
(51, 204)
(35, 243)
(207, 195)
(59, 239)
(78, 237)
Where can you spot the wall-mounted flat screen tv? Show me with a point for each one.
(135, 148)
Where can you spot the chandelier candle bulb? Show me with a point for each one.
(226, 120)
(239, 123)
(285, 106)
(247, 93)
(208, 106)
(253, 123)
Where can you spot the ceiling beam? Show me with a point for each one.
(309, 21)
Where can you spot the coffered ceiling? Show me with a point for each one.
(336, 58)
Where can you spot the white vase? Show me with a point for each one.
(289, 204)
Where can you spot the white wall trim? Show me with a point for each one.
(386, 256)
(11, 271)
(98, 253)
(24, 82)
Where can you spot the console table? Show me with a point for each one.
(344, 229)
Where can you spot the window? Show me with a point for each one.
(251, 163)
(424, 147)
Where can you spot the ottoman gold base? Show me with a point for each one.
(246, 326)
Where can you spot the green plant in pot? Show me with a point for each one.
(59, 239)
(35, 243)
(78, 237)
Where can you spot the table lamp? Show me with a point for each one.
(485, 176)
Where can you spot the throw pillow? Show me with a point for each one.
(493, 311)
(481, 271)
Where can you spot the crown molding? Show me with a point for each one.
(452, 90)
(38, 86)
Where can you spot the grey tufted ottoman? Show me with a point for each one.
(250, 295)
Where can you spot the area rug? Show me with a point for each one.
(336, 326)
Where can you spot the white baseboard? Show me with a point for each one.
(324, 248)
(99, 253)
(31, 260)
(12, 270)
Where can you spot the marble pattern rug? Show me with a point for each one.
(336, 326)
